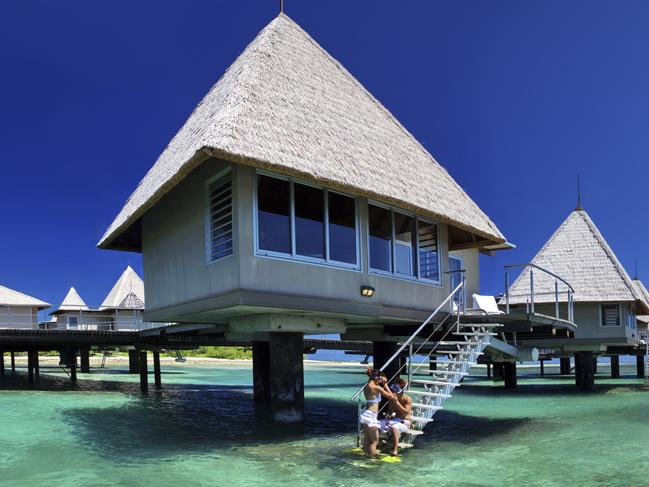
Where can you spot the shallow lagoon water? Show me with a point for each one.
(204, 429)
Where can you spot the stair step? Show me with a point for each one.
(432, 382)
(429, 394)
(450, 362)
(429, 407)
(457, 352)
(476, 334)
(481, 325)
(421, 420)
(414, 432)
(444, 372)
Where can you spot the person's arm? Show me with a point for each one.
(386, 392)
(404, 409)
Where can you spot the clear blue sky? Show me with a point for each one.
(514, 98)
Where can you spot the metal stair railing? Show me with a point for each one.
(438, 389)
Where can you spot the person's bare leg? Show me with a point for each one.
(395, 441)
(374, 440)
(366, 444)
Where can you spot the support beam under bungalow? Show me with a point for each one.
(615, 366)
(564, 365)
(286, 376)
(584, 371)
(509, 369)
(30, 366)
(639, 362)
(260, 371)
(73, 364)
(84, 360)
(13, 362)
(37, 367)
(133, 362)
(157, 374)
(2, 363)
(144, 371)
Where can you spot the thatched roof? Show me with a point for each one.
(126, 293)
(73, 302)
(9, 297)
(578, 253)
(287, 105)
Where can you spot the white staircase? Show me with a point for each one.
(452, 347)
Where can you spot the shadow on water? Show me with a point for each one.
(554, 386)
(186, 418)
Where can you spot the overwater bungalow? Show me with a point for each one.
(292, 202)
(122, 308)
(606, 300)
(19, 310)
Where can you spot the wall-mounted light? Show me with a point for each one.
(367, 291)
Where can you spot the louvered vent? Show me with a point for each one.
(220, 217)
(610, 315)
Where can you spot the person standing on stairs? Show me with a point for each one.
(401, 414)
(374, 390)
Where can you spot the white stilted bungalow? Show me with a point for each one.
(292, 202)
(19, 310)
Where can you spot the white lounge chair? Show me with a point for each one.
(487, 304)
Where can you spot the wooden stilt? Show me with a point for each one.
(615, 366)
(73, 364)
(13, 362)
(84, 359)
(639, 362)
(37, 367)
(542, 362)
(144, 371)
(156, 370)
(511, 381)
(30, 366)
(2, 364)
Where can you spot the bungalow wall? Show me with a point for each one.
(18, 317)
(177, 272)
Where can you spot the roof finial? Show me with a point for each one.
(579, 207)
(281, 6)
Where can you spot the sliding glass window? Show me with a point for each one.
(302, 222)
(403, 245)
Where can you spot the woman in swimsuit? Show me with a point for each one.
(374, 390)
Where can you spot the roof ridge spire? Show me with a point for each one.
(579, 207)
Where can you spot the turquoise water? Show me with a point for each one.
(203, 429)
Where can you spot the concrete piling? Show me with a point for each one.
(84, 360)
(615, 366)
(286, 376)
(156, 370)
(261, 370)
(639, 362)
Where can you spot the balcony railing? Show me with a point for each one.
(531, 302)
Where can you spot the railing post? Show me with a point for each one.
(532, 290)
(506, 291)
(409, 364)
(556, 298)
(463, 295)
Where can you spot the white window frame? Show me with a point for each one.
(619, 315)
(293, 256)
(438, 282)
(208, 223)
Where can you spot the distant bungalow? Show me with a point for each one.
(122, 309)
(18, 310)
(607, 302)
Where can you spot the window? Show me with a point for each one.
(342, 228)
(380, 238)
(274, 214)
(309, 221)
(220, 217)
(73, 321)
(402, 244)
(610, 314)
(631, 320)
(302, 222)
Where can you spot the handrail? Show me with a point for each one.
(412, 337)
(531, 302)
(509, 266)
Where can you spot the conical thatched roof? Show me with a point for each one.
(642, 291)
(9, 297)
(129, 283)
(73, 302)
(578, 253)
(287, 105)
